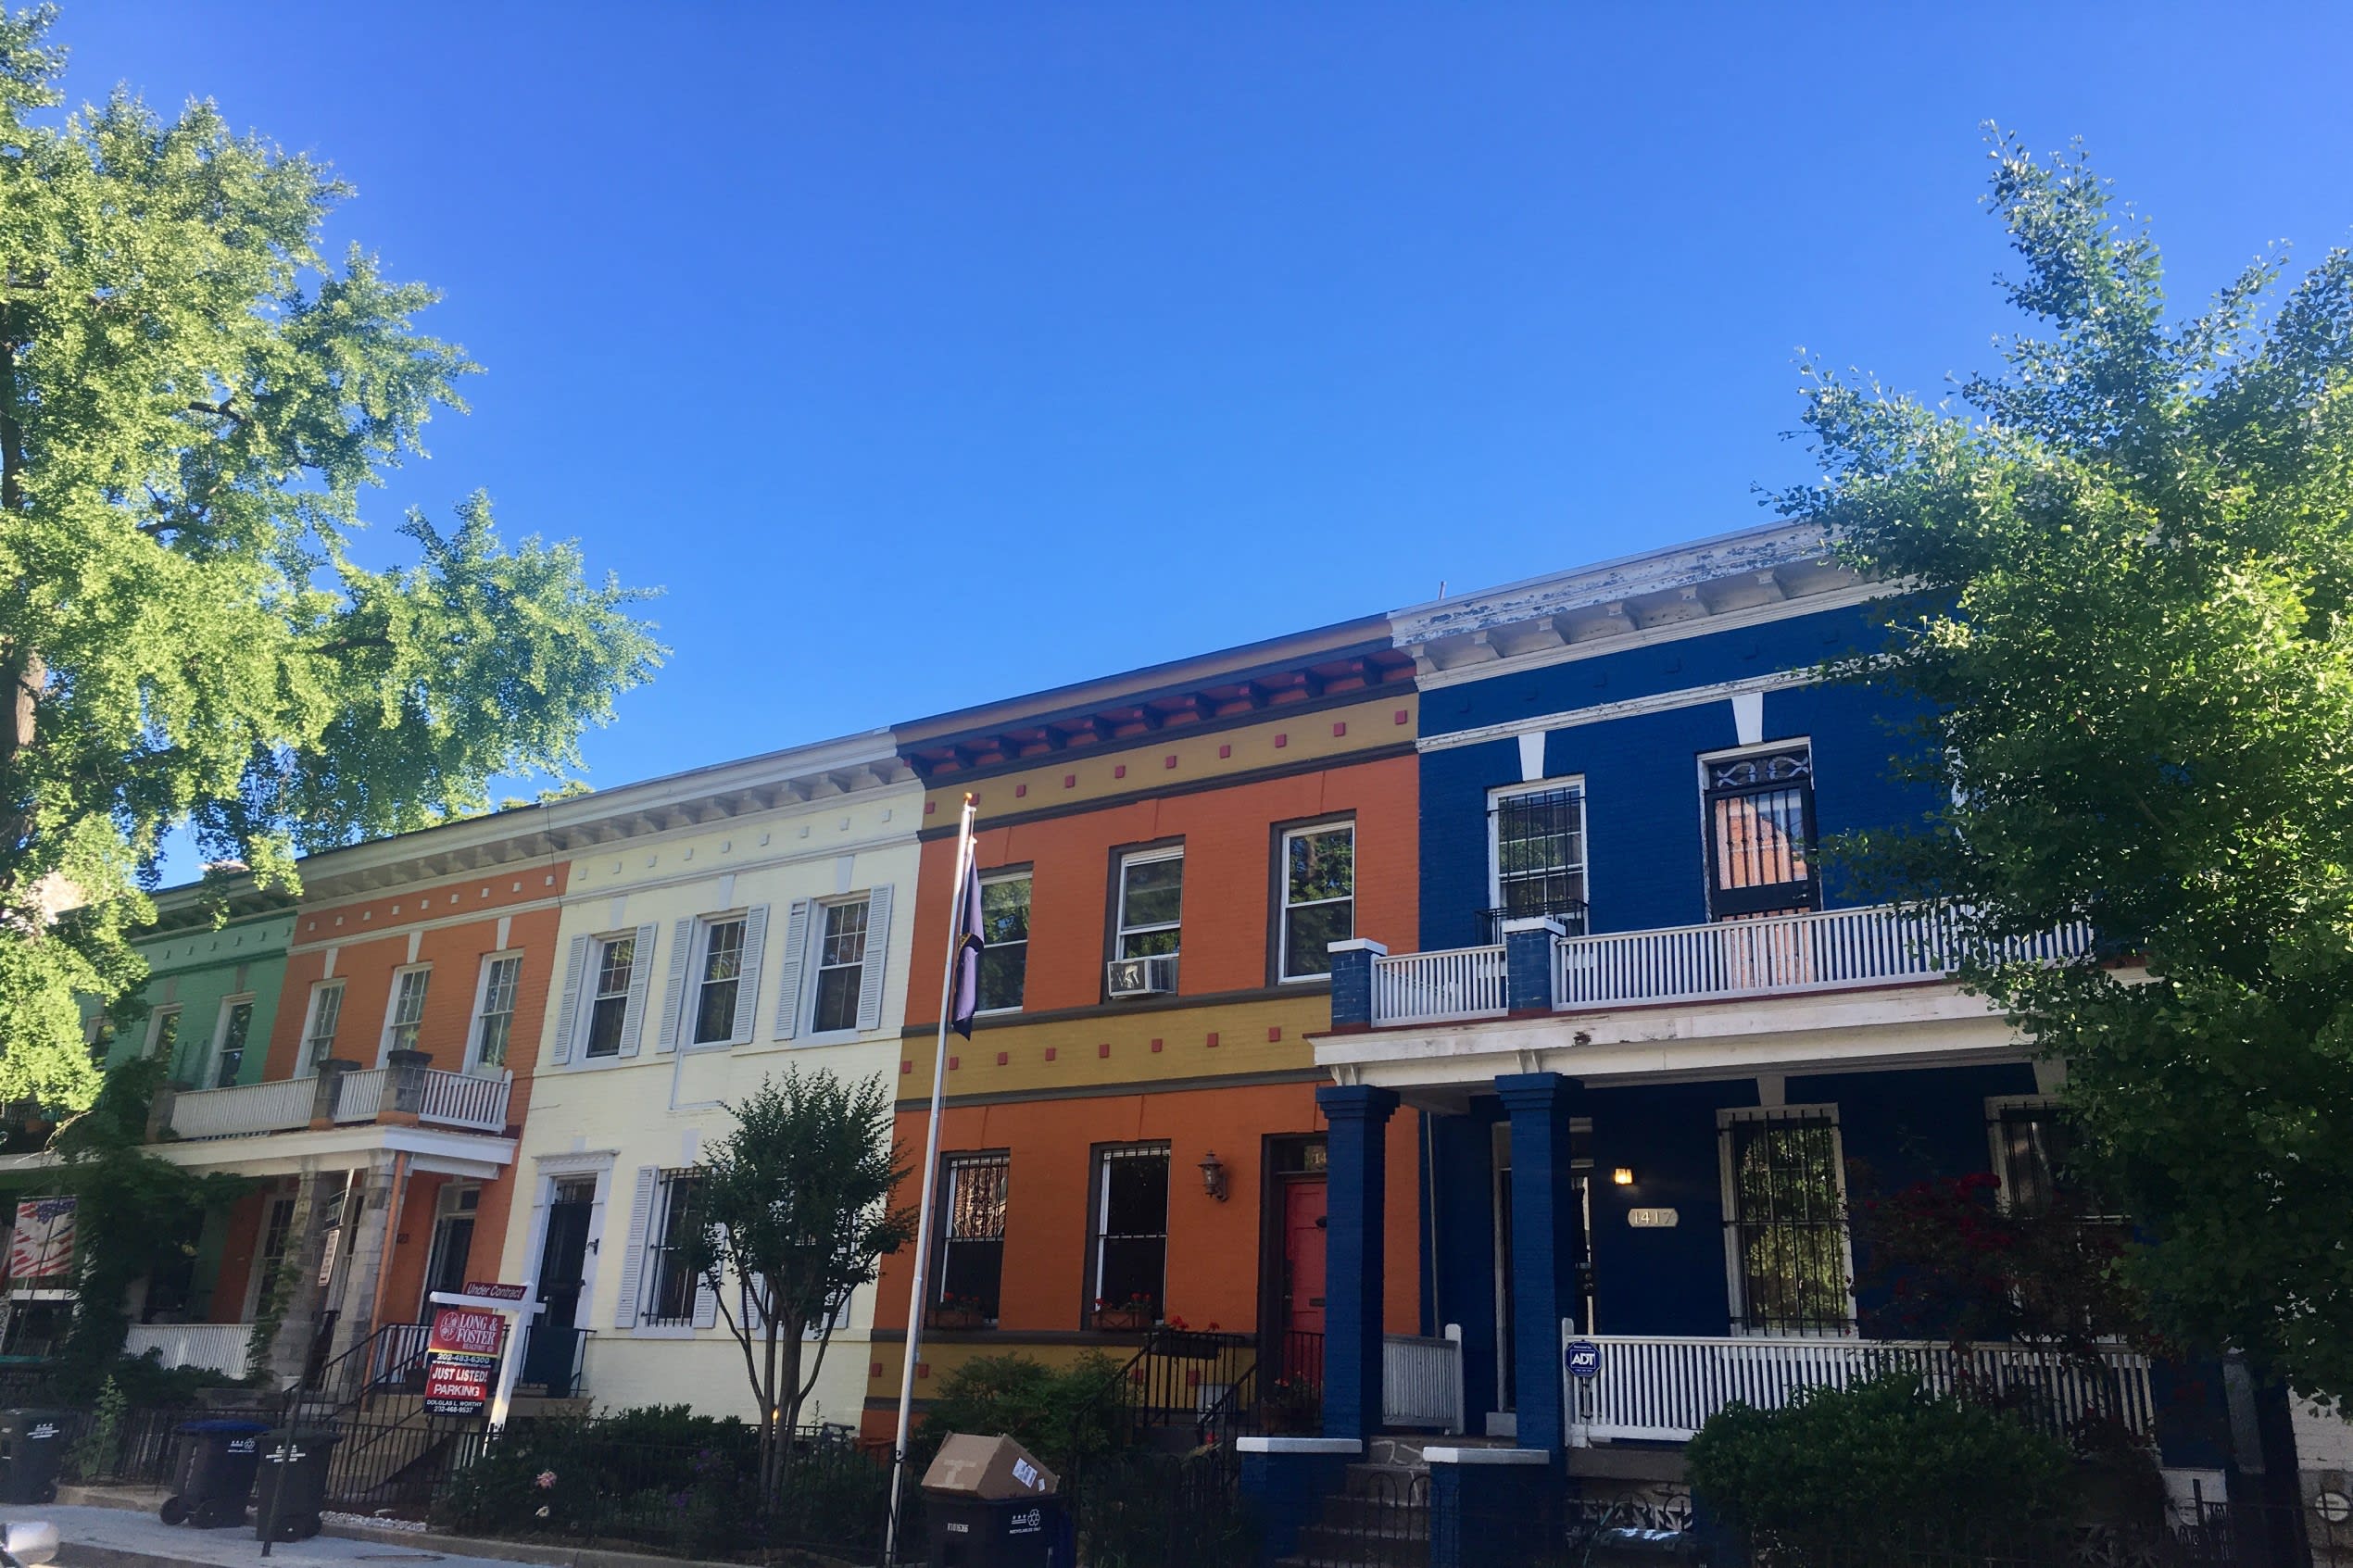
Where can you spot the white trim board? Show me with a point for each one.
(1628, 707)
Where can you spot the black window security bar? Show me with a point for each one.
(972, 1247)
(1788, 1225)
(1539, 858)
(1760, 833)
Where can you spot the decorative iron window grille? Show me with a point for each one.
(1786, 1224)
(670, 1277)
(972, 1248)
(1760, 833)
(1539, 837)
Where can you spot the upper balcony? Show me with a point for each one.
(344, 1094)
(1541, 967)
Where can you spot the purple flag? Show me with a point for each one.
(969, 942)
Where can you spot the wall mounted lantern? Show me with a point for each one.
(1623, 1175)
(1212, 1176)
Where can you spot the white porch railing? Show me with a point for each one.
(249, 1108)
(1433, 988)
(1777, 954)
(220, 1347)
(1421, 1380)
(460, 1099)
(360, 1094)
(1665, 1390)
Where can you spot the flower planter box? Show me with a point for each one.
(956, 1318)
(1123, 1320)
(1188, 1346)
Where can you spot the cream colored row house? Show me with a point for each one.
(741, 919)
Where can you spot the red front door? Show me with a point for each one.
(1303, 1255)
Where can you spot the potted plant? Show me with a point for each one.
(1130, 1315)
(959, 1312)
(1178, 1337)
(1294, 1406)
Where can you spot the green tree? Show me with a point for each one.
(795, 1205)
(2128, 557)
(192, 398)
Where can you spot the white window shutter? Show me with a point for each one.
(747, 983)
(633, 1257)
(706, 1302)
(681, 944)
(641, 974)
(788, 969)
(870, 979)
(568, 1013)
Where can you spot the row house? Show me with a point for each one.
(1130, 1133)
(1649, 1041)
(717, 928)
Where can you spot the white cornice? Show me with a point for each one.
(1601, 712)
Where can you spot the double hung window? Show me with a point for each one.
(841, 967)
(670, 1246)
(1152, 898)
(326, 1013)
(408, 1018)
(609, 1008)
(1760, 832)
(1785, 1222)
(1004, 926)
(972, 1251)
(495, 1020)
(721, 977)
(1131, 1230)
(163, 1035)
(1537, 836)
(237, 1023)
(1319, 898)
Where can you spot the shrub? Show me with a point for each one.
(1065, 1414)
(1879, 1464)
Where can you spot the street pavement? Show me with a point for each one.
(115, 1537)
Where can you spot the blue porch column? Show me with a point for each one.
(1544, 1249)
(1353, 983)
(1356, 1197)
(1527, 963)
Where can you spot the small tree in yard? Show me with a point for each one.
(795, 1204)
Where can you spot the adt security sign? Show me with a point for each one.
(1584, 1358)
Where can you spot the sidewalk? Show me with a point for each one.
(117, 1538)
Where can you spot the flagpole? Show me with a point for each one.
(931, 1177)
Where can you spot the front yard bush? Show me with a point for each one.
(1063, 1414)
(1884, 1465)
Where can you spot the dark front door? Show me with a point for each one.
(551, 1346)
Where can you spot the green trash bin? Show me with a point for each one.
(32, 1446)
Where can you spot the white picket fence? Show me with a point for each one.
(1421, 1380)
(1665, 1390)
(1777, 954)
(218, 1347)
(1434, 987)
(249, 1108)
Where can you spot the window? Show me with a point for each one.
(669, 1275)
(277, 1229)
(616, 957)
(236, 1022)
(408, 1018)
(723, 972)
(1539, 856)
(841, 967)
(163, 1037)
(2033, 1160)
(494, 1019)
(1760, 832)
(1785, 1222)
(453, 1240)
(1004, 926)
(1151, 894)
(326, 1011)
(1319, 898)
(972, 1250)
(1131, 1230)
(97, 1033)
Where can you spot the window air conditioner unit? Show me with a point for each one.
(1155, 976)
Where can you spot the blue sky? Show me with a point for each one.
(930, 354)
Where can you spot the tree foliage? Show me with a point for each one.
(2128, 557)
(192, 397)
(794, 1213)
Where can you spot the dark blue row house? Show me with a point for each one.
(1651, 1042)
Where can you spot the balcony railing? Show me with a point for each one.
(1665, 1390)
(1421, 1380)
(1438, 987)
(447, 1099)
(216, 1346)
(1777, 955)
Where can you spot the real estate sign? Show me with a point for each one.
(461, 1360)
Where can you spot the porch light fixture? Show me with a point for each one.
(1623, 1175)
(1212, 1176)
